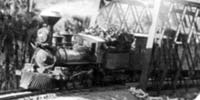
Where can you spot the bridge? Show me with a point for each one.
(167, 37)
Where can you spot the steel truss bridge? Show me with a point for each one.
(167, 39)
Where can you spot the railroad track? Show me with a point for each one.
(6, 95)
(50, 94)
(12, 91)
(24, 94)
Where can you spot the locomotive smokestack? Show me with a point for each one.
(51, 18)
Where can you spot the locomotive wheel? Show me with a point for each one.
(79, 77)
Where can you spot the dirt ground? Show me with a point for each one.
(103, 95)
(125, 94)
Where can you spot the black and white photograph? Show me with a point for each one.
(99, 49)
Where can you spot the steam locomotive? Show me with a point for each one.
(74, 61)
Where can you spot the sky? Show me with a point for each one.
(69, 7)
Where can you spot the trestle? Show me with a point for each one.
(181, 61)
(167, 39)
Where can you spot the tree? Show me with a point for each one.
(17, 28)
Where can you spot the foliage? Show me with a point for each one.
(17, 27)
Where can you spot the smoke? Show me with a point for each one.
(81, 8)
